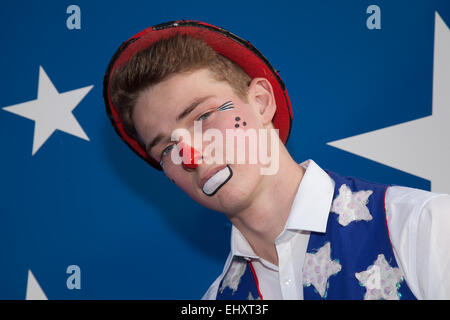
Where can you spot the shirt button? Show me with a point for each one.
(287, 282)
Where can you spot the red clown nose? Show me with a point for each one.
(190, 157)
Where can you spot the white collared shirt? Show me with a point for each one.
(419, 229)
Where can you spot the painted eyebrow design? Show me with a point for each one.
(226, 106)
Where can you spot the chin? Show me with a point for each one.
(234, 196)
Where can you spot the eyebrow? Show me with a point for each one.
(192, 107)
(181, 116)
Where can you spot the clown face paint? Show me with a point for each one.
(226, 106)
(237, 119)
(191, 163)
(213, 184)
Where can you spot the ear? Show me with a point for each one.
(261, 95)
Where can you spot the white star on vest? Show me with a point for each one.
(351, 206)
(51, 111)
(318, 267)
(381, 280)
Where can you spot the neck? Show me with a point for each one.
(265, 217)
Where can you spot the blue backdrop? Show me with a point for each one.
(94, 204)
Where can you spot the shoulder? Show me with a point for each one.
(418, 222)
(406, 195)
(405, 205)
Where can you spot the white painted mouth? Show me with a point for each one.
(213, 184)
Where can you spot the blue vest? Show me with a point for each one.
(353, 259)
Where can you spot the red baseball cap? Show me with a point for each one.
(222, 41)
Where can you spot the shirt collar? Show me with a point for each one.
(309, 211)
(240, 245)
(312, 202)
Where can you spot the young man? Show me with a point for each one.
(299, 232)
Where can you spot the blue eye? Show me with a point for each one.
(204, 116)
(166, 150)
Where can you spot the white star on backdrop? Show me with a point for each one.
(51, 111)
(420, 147)
(34, 290)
